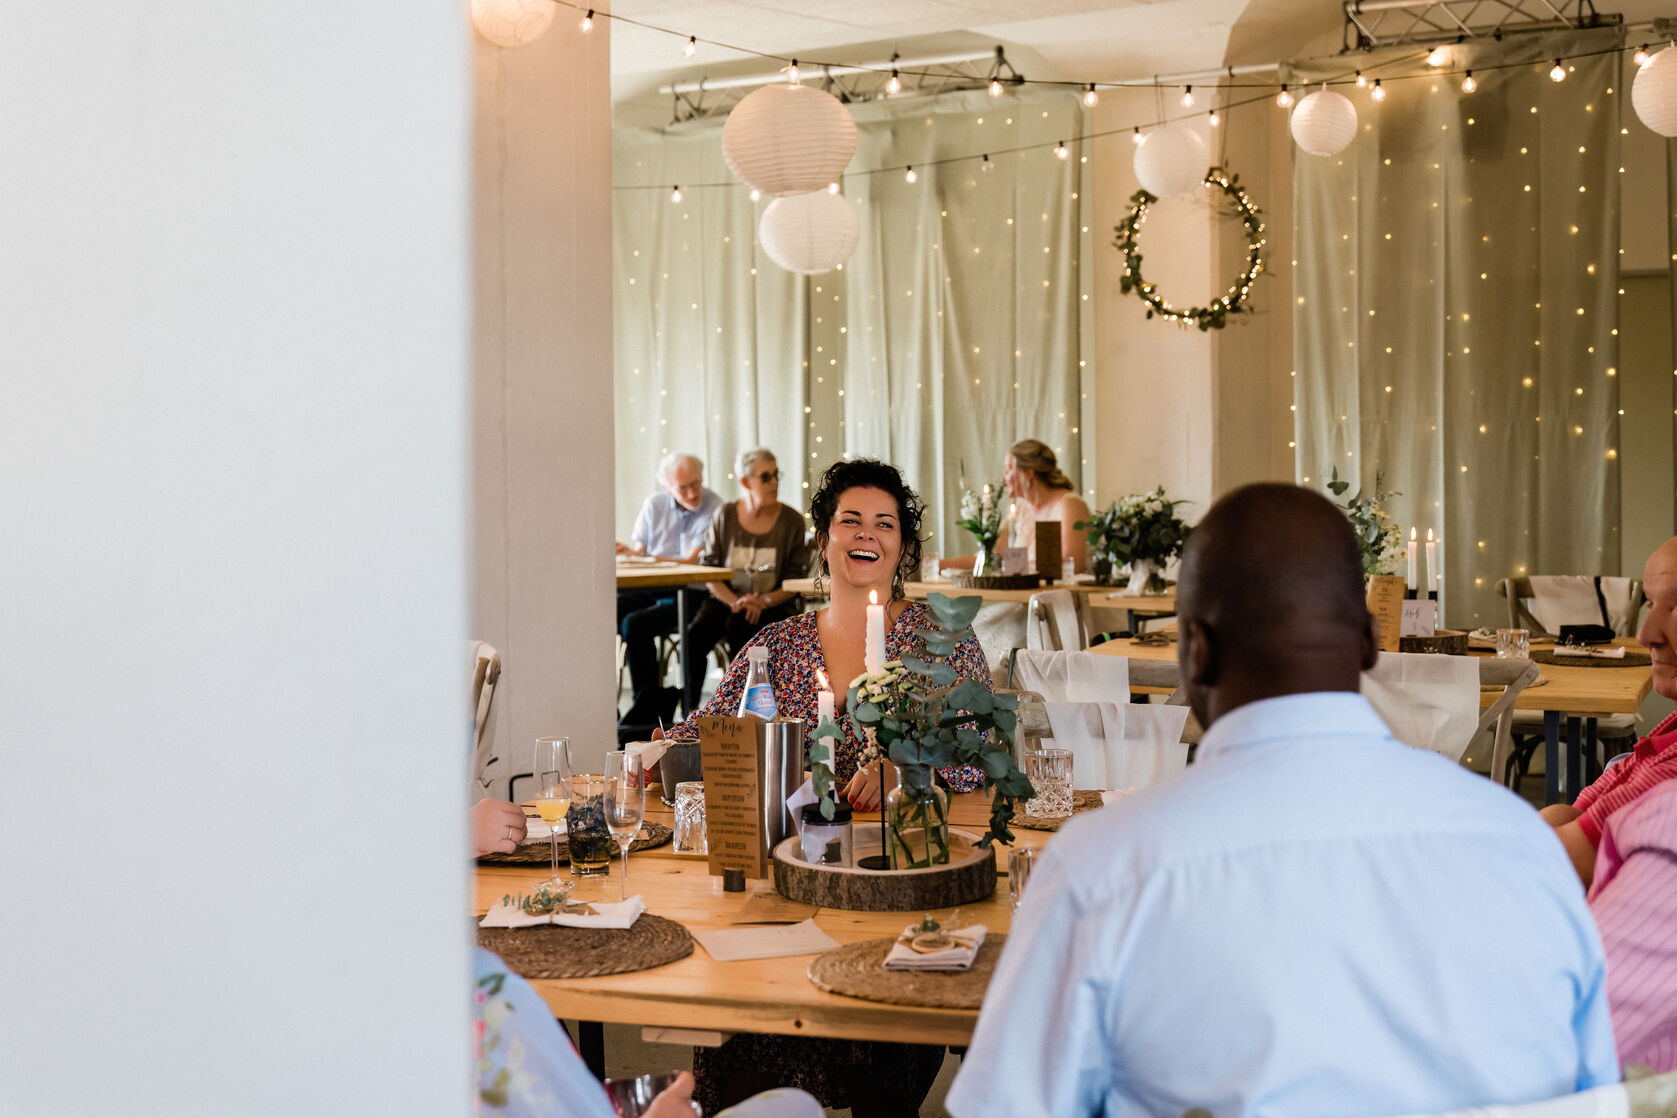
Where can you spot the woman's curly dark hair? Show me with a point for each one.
(870, 473)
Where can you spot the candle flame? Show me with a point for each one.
(873, 597)
(1412, 534)
(1429, 535)
(821, 677)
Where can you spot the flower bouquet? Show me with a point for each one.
(1141, 532)
(981, 514)
(1378, 538)
(921, 719)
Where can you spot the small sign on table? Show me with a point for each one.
(1386, 602)
(733, 782)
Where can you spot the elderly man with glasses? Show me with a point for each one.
(672, 524)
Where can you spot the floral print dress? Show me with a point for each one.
(794, 659)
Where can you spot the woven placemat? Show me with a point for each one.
(1631, 660)
(857, 970)
(965, 580)
(535, 852)
(548, 951)
(1080, 801)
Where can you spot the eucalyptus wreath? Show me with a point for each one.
(1237, 301)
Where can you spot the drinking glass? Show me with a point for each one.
(1068, 570)
(553, 788)
(929, 567)
(624, 806)
(585, 827)
(1513, 644)
(1050, 773)
(1020, 861)
(690, 837)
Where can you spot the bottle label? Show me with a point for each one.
(759, 700)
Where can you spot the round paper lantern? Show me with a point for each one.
(1653, 92)
(512, 23)
(789, 139)
(1324, 123)
(809, 233)
(1171, 160)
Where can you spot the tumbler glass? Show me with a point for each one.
(1050, 774)
(1513, 644)
(690, 835)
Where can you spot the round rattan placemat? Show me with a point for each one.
(1631, 660)
(857, 970)
(965, 580)
(549, 951)
(1080, 801)
(535, 852)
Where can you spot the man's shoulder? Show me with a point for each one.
(1648, 820)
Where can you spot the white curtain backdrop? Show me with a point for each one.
(953, 331)
(1455, 322)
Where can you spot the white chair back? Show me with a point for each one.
(1072, 676)
(1054, 621)
(1544, 603)
(1428, 701)
(1118, 745)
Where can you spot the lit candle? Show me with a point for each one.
(824, 708)
(1410, 580)
(1432, 563)
(1012, 524)
(986, 502)
(873, 651)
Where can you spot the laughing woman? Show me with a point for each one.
(867, 527)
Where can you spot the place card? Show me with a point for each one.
(1420, 617)
(731, 752)
(1048, 548)
(1385, 602)
(1014, 560)
(732, 944)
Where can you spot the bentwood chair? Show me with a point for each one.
(1057, 620)
(486, 675)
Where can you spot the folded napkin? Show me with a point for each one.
(959, 957)
(617, 914)
(1615, 653)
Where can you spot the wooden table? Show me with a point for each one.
(1100, 597)
(1576, 694)
(753, 995)
(662, 574)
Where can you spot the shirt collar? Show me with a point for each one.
(1314, 714)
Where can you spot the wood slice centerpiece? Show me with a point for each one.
(1451, 642)
(969, 876)
(966, 580)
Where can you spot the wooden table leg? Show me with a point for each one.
(681, 643)
(591, 1040)
(1551, 757)
(1574, 757)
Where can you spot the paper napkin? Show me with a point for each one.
(1615, 653)
(617, 914)
(770, 942)
(967, 942)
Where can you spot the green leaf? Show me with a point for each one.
(972, 695)
(868, 712)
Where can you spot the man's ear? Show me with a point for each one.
(1197, 653)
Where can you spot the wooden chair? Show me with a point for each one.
(486, 676)
(1518, 592)
(1057, 620)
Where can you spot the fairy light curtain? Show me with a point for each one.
(952, 331)
(1455, 309)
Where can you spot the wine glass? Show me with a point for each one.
(553, 789)
(625, 804)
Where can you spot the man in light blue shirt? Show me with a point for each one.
(1313, 918)
(671, 525)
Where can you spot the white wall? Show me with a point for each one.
(232, 436)
(543, 580)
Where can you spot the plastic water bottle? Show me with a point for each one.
(758, 697)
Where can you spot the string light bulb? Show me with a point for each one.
(1641, 55)
(1437, 57)
(910, 176)
(792, 72)
(832, 188)
(1213, 119)
(893, 84)
(1187, 97)
(1136, 139)
(1361, 81)
(995, 87)
(1468, 84)
(692, 46)
(755, 194)
(1284, 98)
(1558, 74)
(1378, 93)
(587, 24)
(675, 194)
(1060, 150)
(1090, 97)
(986, 165)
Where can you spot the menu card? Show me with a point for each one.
(1048, 548)
(733, 763)
(1385, 602)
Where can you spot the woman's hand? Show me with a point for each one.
(752, 605)
(674, 1101)
(863, 791)
(497, 827)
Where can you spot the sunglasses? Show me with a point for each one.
(768, 475)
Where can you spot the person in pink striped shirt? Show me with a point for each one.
(1580, 823)
(1634, 901)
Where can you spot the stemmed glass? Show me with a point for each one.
(553, 790)
(625, 803)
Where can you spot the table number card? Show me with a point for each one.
(730, 749)
(1420, 617)
(1048, 548)
(1385, 602)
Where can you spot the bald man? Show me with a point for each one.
(1313, 918)
(1580, 823)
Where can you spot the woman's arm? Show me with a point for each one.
(1074, 542)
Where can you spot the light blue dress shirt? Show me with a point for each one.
(663, 527)
(1313, 919)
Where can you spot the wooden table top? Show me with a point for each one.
(751, 995)
(1101, 597)
(655, 575)
(1570, 689)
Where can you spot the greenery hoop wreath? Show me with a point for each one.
(1216, 316)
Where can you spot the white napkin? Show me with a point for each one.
(959, 957)
(1558, 600)
(796, 801)
(1427, 701)
(772, 941)
(1119, 745)
(1073, 677)
(1615, 653)
(617, 914)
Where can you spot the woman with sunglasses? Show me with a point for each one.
(762, 540)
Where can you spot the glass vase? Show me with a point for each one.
(1146, 577)
(987, 563)
(917, 822)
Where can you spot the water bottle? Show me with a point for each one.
(758, 697)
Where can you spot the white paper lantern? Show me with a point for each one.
(1324, 123)
(1653, 92)
(809, 233)
(789, 139)
(1171, 160)
(512, 23)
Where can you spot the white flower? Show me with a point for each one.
(969, 506)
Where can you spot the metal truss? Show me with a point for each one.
(1385, 23)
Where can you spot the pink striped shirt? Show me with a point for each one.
(1655, 760)
(1634, 901)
